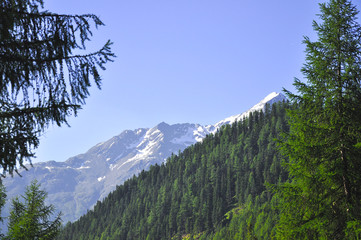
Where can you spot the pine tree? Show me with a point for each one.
(32, 219)
(42, 81)
(324, 198)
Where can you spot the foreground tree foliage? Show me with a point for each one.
(31, 218)
(42, 81)
(204, 192)
(323, 200)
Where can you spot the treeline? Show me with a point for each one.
(213, 189)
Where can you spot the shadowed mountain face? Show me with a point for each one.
(78, 183)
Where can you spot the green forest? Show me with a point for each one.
(216, 188)
(291, 171)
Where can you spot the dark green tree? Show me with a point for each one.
(42, 80)
(2, 203)
(323, 200)
(32, 218)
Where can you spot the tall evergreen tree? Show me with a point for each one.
(41, 80)
(324, 198)
(32, 219)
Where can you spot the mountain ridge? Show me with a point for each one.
(76, 184)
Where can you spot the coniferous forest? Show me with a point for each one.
(214, 189)
(291, 171)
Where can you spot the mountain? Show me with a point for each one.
(215, 189)
(74, 186)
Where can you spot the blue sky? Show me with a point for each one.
(196, 61)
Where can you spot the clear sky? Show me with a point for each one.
(195, 61)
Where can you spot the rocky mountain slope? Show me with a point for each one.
(78, 183)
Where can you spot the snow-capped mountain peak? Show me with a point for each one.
(269, 99)
(77, 184)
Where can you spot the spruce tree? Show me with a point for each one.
(44, 74)
(31, 218)
(323, 200)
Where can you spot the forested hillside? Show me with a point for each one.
(200, 192)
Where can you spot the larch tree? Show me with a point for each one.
(323, 199)
(43, 78)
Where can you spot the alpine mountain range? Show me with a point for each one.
(74, 186)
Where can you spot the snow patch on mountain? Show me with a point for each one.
(269, 99)
(101, 178)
